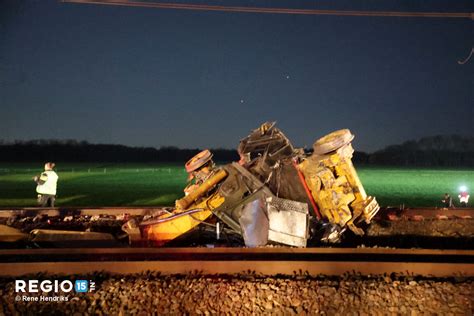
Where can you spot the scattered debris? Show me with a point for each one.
(10, 234)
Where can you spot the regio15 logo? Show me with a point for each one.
(46, 286)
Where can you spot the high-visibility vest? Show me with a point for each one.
(464, 197)
(48, 183)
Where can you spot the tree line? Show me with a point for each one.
(437, 151)
(82, 151)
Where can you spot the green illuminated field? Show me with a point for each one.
(96, 184)
(161, 184)
(414, 187)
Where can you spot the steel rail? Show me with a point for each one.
(427, 212)
(144, 210)
(266, 261)
(79, 210)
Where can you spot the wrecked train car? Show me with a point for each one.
(276, 193)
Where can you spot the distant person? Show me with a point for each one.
(463, 197)
(447, 201)
(46, 185)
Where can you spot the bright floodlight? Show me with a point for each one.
(463, 188)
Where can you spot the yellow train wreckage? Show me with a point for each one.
(275, 194)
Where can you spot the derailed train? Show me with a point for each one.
(275, 194)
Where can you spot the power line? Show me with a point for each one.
(462, 62)
(203, 7)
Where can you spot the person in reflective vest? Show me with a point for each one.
(46, 185)
(463, 198)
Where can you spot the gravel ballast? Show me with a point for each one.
(432, 228)
(247, 294)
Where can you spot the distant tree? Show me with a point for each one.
(440, 150)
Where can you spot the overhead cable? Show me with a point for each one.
(204, 7)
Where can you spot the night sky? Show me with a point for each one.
(155, 77)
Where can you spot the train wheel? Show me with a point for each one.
(332, 141)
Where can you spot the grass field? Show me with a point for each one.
(414, 187)
(162, 184)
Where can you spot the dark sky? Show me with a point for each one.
(154, 77)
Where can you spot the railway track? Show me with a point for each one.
(383, 279)
(265, 261)
(384, 213)
(78, 211)
(394, 228)
(391, 213)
